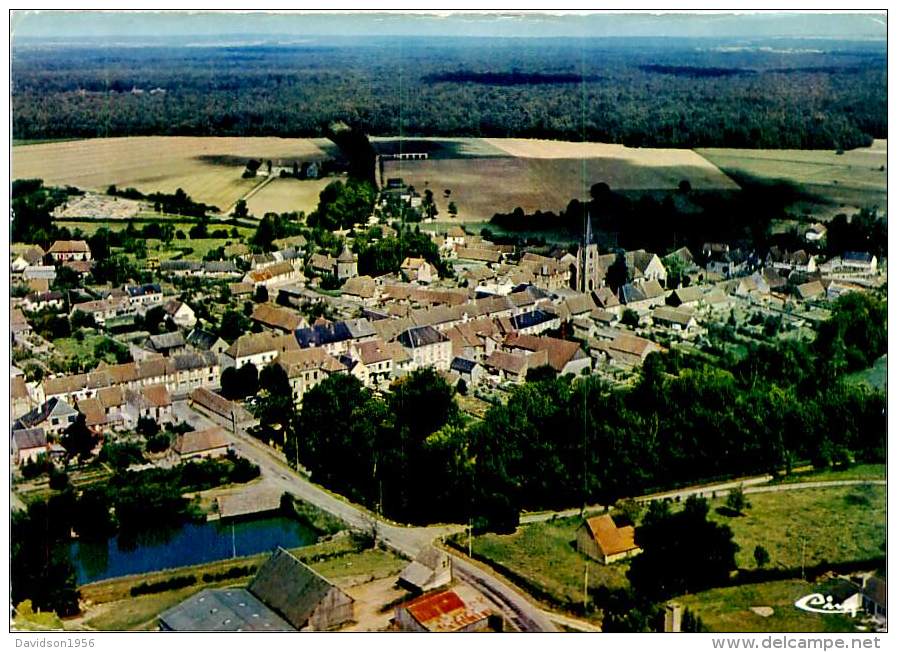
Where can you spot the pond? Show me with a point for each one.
(192, 543)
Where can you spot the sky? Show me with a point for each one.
(123, 25)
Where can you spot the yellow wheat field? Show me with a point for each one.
(208, 169)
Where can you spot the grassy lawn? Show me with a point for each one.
(729, 609)
(140, 613)
(180, 249)
(545, 555)
(875, 376)
(375, 563)
(833, 524)
(71, 348)
(857, 472)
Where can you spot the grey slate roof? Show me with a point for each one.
(142, 290)
(165, 341)
(25, 438)
(421, 336)
(223, 610)
(201, 339)
(290, 587)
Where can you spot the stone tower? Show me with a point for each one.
(346, 265)
(586, 271)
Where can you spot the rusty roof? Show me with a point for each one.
(611, 540)
(450, 610)
(198, 441)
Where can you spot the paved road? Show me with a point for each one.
(822, 484)
(406, 540)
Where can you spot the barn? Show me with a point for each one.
(301, 595)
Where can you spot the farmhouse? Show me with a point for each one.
(460, 609)
(39, 273)
(859, 260)
(815, 232)
(360, 287)
(513, 366)
(376, 358)
(30, 255)
(600, 538)
(487, 256)
(688, 296)
(322, 264)
(64, 250)
(202, 444)
(180, 313)
(20, 397)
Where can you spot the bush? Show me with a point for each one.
(59, 480)
(231, 573)
(177, 582)
(158, 443)
(34, 468)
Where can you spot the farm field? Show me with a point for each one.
(832, 524)
(729, 609)
(287, 196)
(208, 169)
(545, 555)
(497, 175)
(854, 178)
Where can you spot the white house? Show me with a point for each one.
(180, 313)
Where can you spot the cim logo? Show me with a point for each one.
(821, 604)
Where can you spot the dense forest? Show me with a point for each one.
(670, 93)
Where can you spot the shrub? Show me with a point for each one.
(177, 582)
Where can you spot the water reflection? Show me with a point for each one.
(192, 543)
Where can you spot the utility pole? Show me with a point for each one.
(470, 538)
(585, 588)
(803, 549)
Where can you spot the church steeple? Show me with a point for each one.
(587, 236)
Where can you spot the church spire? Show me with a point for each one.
(587, 236)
